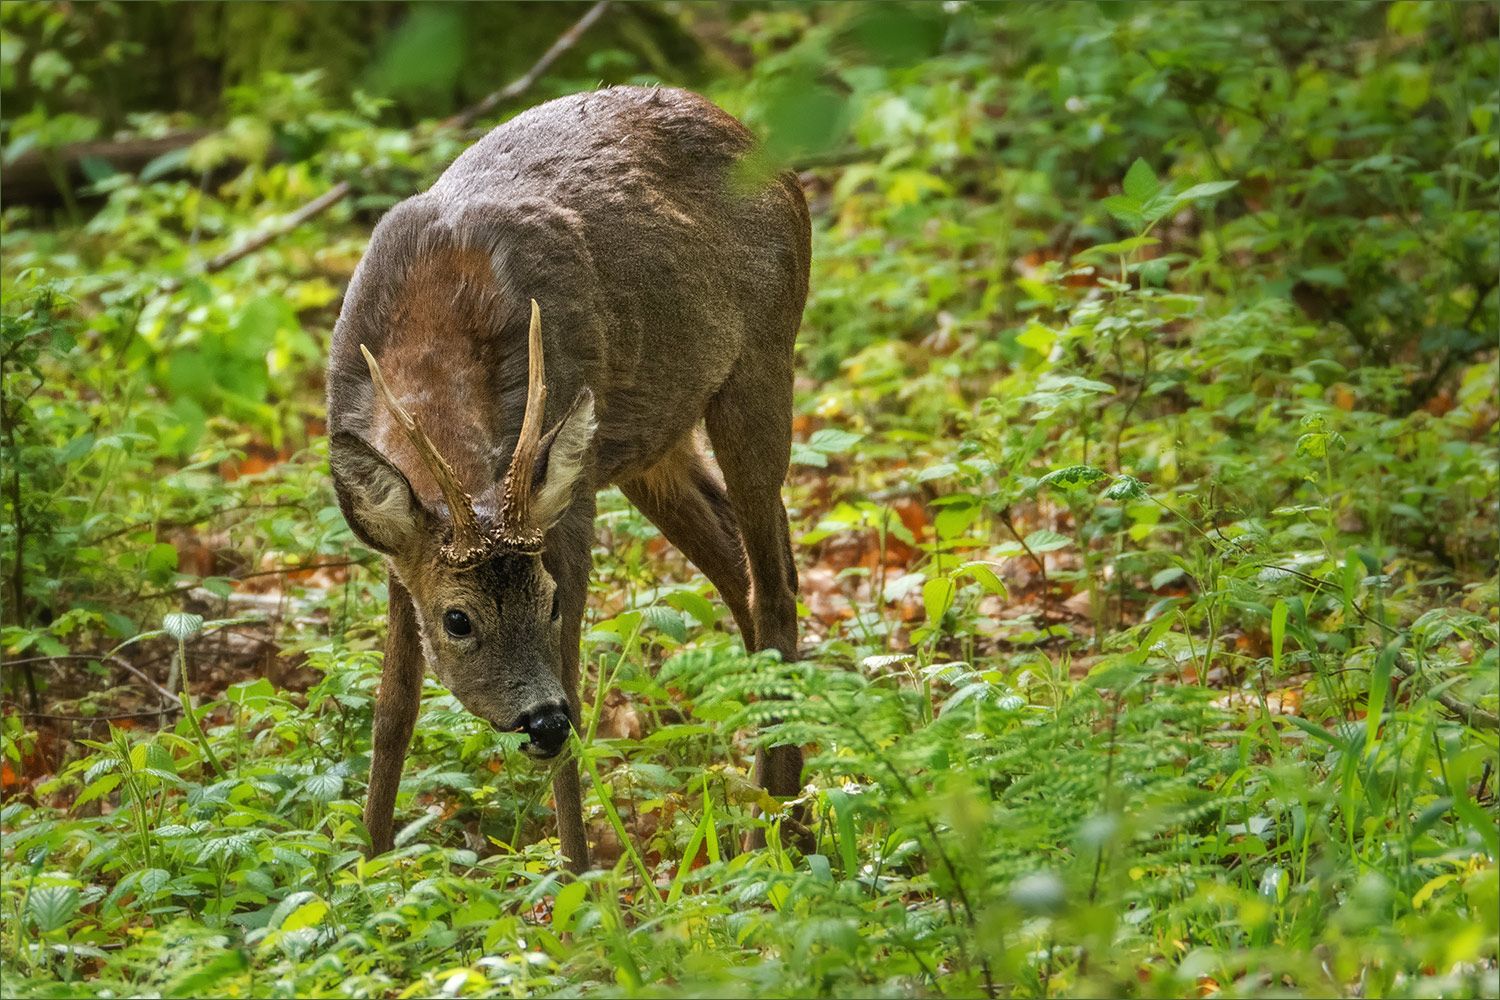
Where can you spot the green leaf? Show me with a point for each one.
(307, 915)
(694, 604)
(103, 786)
(843, 812)
(1121, 247)
(937, 598)
(1278, 632)
(1141, 184)
(179, 624)
(1161, 578)
(830, 441)
(250, 694)
(805, 455)
(210, 979)
(50, 906)
(1127, 210)
(666, 620)
(955, 518)
(565, 904)
(984, 572)
(1331, 276)
(323, 786)
(154, 880)
(1206, 190)
(1126, 488)
(1073, 477)
(75, 449)
(1046, 540)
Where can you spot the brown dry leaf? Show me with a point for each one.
(821, 594)
(619, 719)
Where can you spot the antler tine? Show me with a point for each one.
(516, 506)
(469, 539)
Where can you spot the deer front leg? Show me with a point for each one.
(569, 561)
(395, 716)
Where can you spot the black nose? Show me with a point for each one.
(548, 728)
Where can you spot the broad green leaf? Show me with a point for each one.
(666, 620)
(696, 605)
(564, 905)
(937, 598)
(178, 624)
(1141, 184)
(1127, 210)
(1205, 190)
(50, 906)
(1073, 477)
(984, 572)
(323, 786)
(830, 441)
(1046, 540)
(1126, 488)
(102, 786)
(307, 915)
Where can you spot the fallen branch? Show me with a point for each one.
(32, 178)
(521, 84)
(342, 189)
(169, 700)
(1472, 715)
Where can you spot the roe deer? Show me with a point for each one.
(554, 315)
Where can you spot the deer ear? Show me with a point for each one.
(376, 498)
(559, 461)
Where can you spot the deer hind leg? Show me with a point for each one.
(681, 497)
(395, 716)
(750, 424)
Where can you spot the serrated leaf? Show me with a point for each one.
(830, 441)
(1140, 183)
(1044, 540)
(323, 786)
(1125, 488)
(51, 905)
(666, 620)
(1073, 477)
(180, 625)
(803, 455)
(96, 788)
(1127, 210)
(154, 880)
(1206, 190)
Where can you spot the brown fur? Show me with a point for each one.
(667, 288)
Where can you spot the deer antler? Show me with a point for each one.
(515, 508)
(470, 542)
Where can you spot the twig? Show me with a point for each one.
(279, 571)
(155, 713)
(342, 189)
(521, 84)
(1472, 715)
(168, 698)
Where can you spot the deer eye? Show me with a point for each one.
(555, 609)
(457, 623)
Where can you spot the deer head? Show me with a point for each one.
(486, 607)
